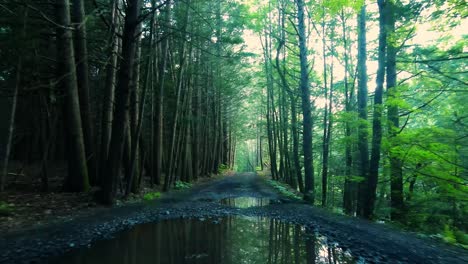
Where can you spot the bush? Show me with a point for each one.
(448, 235)
(182, 185)
(5, 209)
(284, 189)
(151, 196)
(223, 168)
(461, 237)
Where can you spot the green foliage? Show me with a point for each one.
(180, 185)
(461, 237)
(151, 196)
(454, 236)
(284, 189)
(335, 6)
(449, 235)
(223, 168)
(5, 209)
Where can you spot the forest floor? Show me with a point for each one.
(372, 241)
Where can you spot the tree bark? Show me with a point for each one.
(363, 146)
(82, 70)
(371, 184)
(327, 122)
(350, 190)
(396, 171)
(160, 111)
(77, 179)
(11, 125)
(306, 107)
(136, 120)
(119, 122)
(109, 90)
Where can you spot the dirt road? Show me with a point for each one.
(376, 243)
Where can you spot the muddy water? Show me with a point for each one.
(221, 241)
(245, 202)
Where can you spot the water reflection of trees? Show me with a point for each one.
(229, 240)
(290, 243)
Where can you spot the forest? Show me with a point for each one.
(358, 107)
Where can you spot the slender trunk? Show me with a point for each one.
(49, 142)
(270, 109)
(290, 171)
(77, 179)
(363, 147)
(175, 140)
(137, 110)
(370, 194)
(82, 70)
(109, 89)
(121, 107)
(349, 193)
(160, 111)
(326, 113)
(188, 137)
(396, 171)
(198, 129)
(11, 126)
(412, 183)
(295, 136)
(327, 139)
(306, 107)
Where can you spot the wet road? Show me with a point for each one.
(211, 208)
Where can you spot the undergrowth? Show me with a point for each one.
(5, 209)
(179, 185)
(284, 189)
(151, 196)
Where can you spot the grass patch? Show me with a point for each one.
(223, 169)
(284, 189)
(5, 209)
(455, 237)
(151, 196)
(180, 185)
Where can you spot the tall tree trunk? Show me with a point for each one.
(11, 125)
(109, 90)
(119, 122)
(327, 139)
(306, 106)
(295, 137)
(82, 70)
(160, 111)
(291, 171)
(326, 117)
(270, 108)
(396, 171)
(198, 126)
(370, 192)
(188, 137)
(363, 146)
(350, 191)
(77, 179)
(175, 137)
(137, 104)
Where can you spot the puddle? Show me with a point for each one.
(227, 240)
(245, 202)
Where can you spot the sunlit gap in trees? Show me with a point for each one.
(423, 33)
